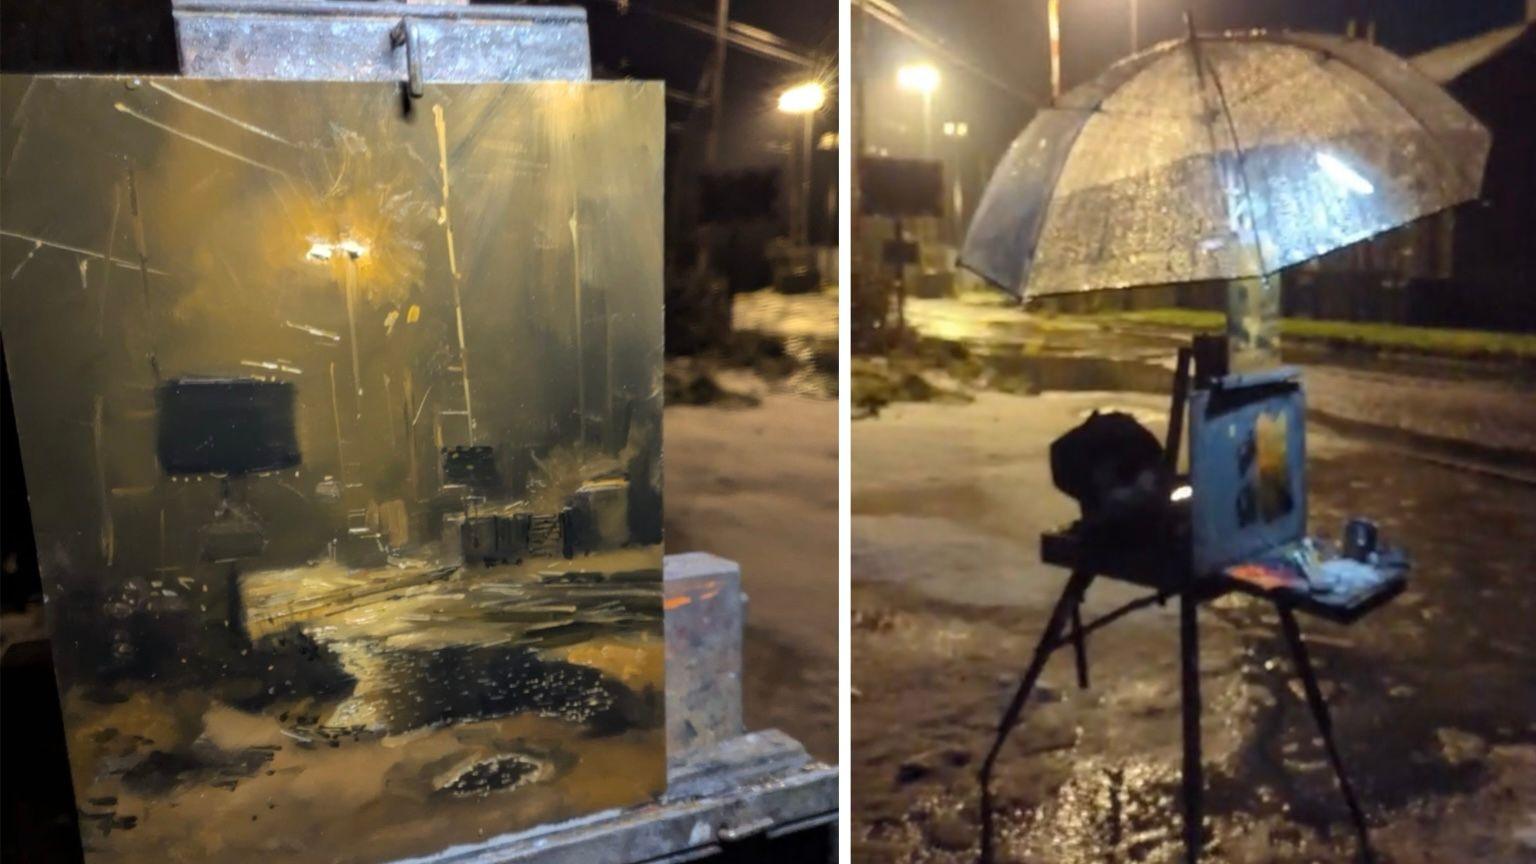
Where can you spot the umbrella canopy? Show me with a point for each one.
(1223, 156)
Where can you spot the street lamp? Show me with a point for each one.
(956, 131)
(921, 78)
(349, 252)
(804, 99)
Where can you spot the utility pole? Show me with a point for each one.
(717, 79)
(856, 25)
(928, 124)
(1053, 27)
(805, 180)
(1135, 25)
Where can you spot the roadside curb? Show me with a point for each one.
(1356, 354)
(1513, 464)
(1507, 463)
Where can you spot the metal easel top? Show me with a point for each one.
(347, 40)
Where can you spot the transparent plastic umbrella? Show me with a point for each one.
(1221, 157)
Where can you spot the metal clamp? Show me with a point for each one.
(747, 828)
(404, 33)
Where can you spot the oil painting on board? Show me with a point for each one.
(340, 417)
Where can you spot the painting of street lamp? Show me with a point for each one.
(338, 574)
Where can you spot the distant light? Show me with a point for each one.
(955, 129)
(1342, 174)
(354, 249)
(920, 77)
(1182, 493)
(962, 130)
(828, 141)
(949, 128)
(319, 252)
(802, 98)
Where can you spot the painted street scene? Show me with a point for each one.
(372, 447)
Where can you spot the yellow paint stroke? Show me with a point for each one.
(676, 602)
(453, 267)
(636, 666)
(413, 314)
(442, 167)
(581, 351)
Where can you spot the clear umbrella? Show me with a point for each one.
(1221, 157)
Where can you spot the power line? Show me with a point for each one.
(889, 15)
(753, 40)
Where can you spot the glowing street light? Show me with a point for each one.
(321, 252)
(805, 100)
(921, 78)
(918, 77)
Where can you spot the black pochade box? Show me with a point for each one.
(225, 426)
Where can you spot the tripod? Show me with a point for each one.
(1171, 572)
(1068, 611)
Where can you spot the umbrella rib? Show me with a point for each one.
(1237, 150)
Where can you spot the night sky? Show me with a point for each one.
(1008, 38)
(642, 45)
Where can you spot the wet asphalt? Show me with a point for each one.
(1433, 696)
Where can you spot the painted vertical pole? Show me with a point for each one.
(1053, 26)
(1253, 323)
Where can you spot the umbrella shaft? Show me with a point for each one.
(1253, 323)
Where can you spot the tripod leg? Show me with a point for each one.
(1049, 640)
(1324, 725)
(1189, 677)
(1080, 644)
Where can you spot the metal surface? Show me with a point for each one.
(704, 616)
(406, 34)
(1271, 149)
(266, 659)
(296, 40)
(758, 785)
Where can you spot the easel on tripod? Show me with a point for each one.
(1239, 525)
